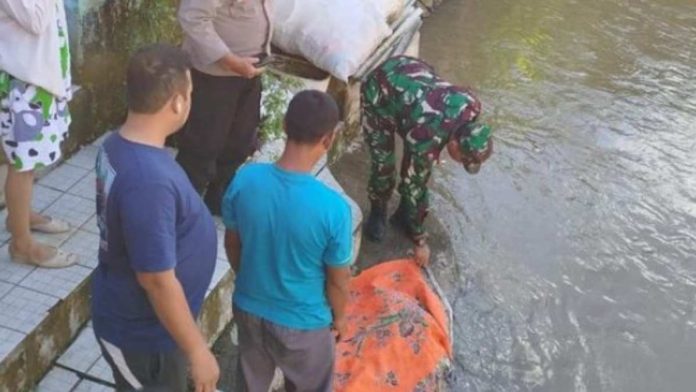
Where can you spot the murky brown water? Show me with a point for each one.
(576, 245)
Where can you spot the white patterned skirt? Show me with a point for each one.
(33, 123)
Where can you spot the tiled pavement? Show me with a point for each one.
(27, 294)
(80, 368)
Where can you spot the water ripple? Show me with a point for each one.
(577, 243)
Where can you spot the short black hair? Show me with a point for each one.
(311, 115)
(155, 74)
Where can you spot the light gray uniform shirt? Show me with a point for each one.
(214, 28)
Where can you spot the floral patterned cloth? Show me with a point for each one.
(398, 337)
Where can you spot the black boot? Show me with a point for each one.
(400, 220)
(376, 224)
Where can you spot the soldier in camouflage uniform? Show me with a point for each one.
(404, 96)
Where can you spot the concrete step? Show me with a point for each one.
(42, 311)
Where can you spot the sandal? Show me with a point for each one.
(61, 259)
(51, 226)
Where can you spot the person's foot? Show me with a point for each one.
(45, 224)
(400, 219)
(401, 222)
(48, 225)
(42, 256)
(376, 224)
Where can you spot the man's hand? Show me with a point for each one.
(204, 370)
(421, 255)
(337, 279)
(243, 66)
(169, 301)
(340, 328)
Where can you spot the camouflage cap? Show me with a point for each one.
(473, 137)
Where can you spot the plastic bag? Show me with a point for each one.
(335, 35)
(389, 8)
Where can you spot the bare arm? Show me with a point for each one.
(233, 248)
(169, 302)
(337, 280)
(167, 298)
(33, 15)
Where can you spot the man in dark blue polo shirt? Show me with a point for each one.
(158, 240)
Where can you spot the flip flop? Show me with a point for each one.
(51, 226)
(61, 259)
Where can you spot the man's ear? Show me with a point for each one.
(178, 103)
(328, 140)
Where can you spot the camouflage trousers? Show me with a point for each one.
(416, 167)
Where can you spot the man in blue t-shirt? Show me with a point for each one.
(158, 240)
(289, 240)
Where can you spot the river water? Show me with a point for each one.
(576, 245)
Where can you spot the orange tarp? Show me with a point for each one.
(397, 337)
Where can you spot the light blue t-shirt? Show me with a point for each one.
(292, 227)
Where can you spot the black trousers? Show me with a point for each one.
(148, 372)
(221, 132)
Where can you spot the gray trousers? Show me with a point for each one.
(148, 372)
(305, 357)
